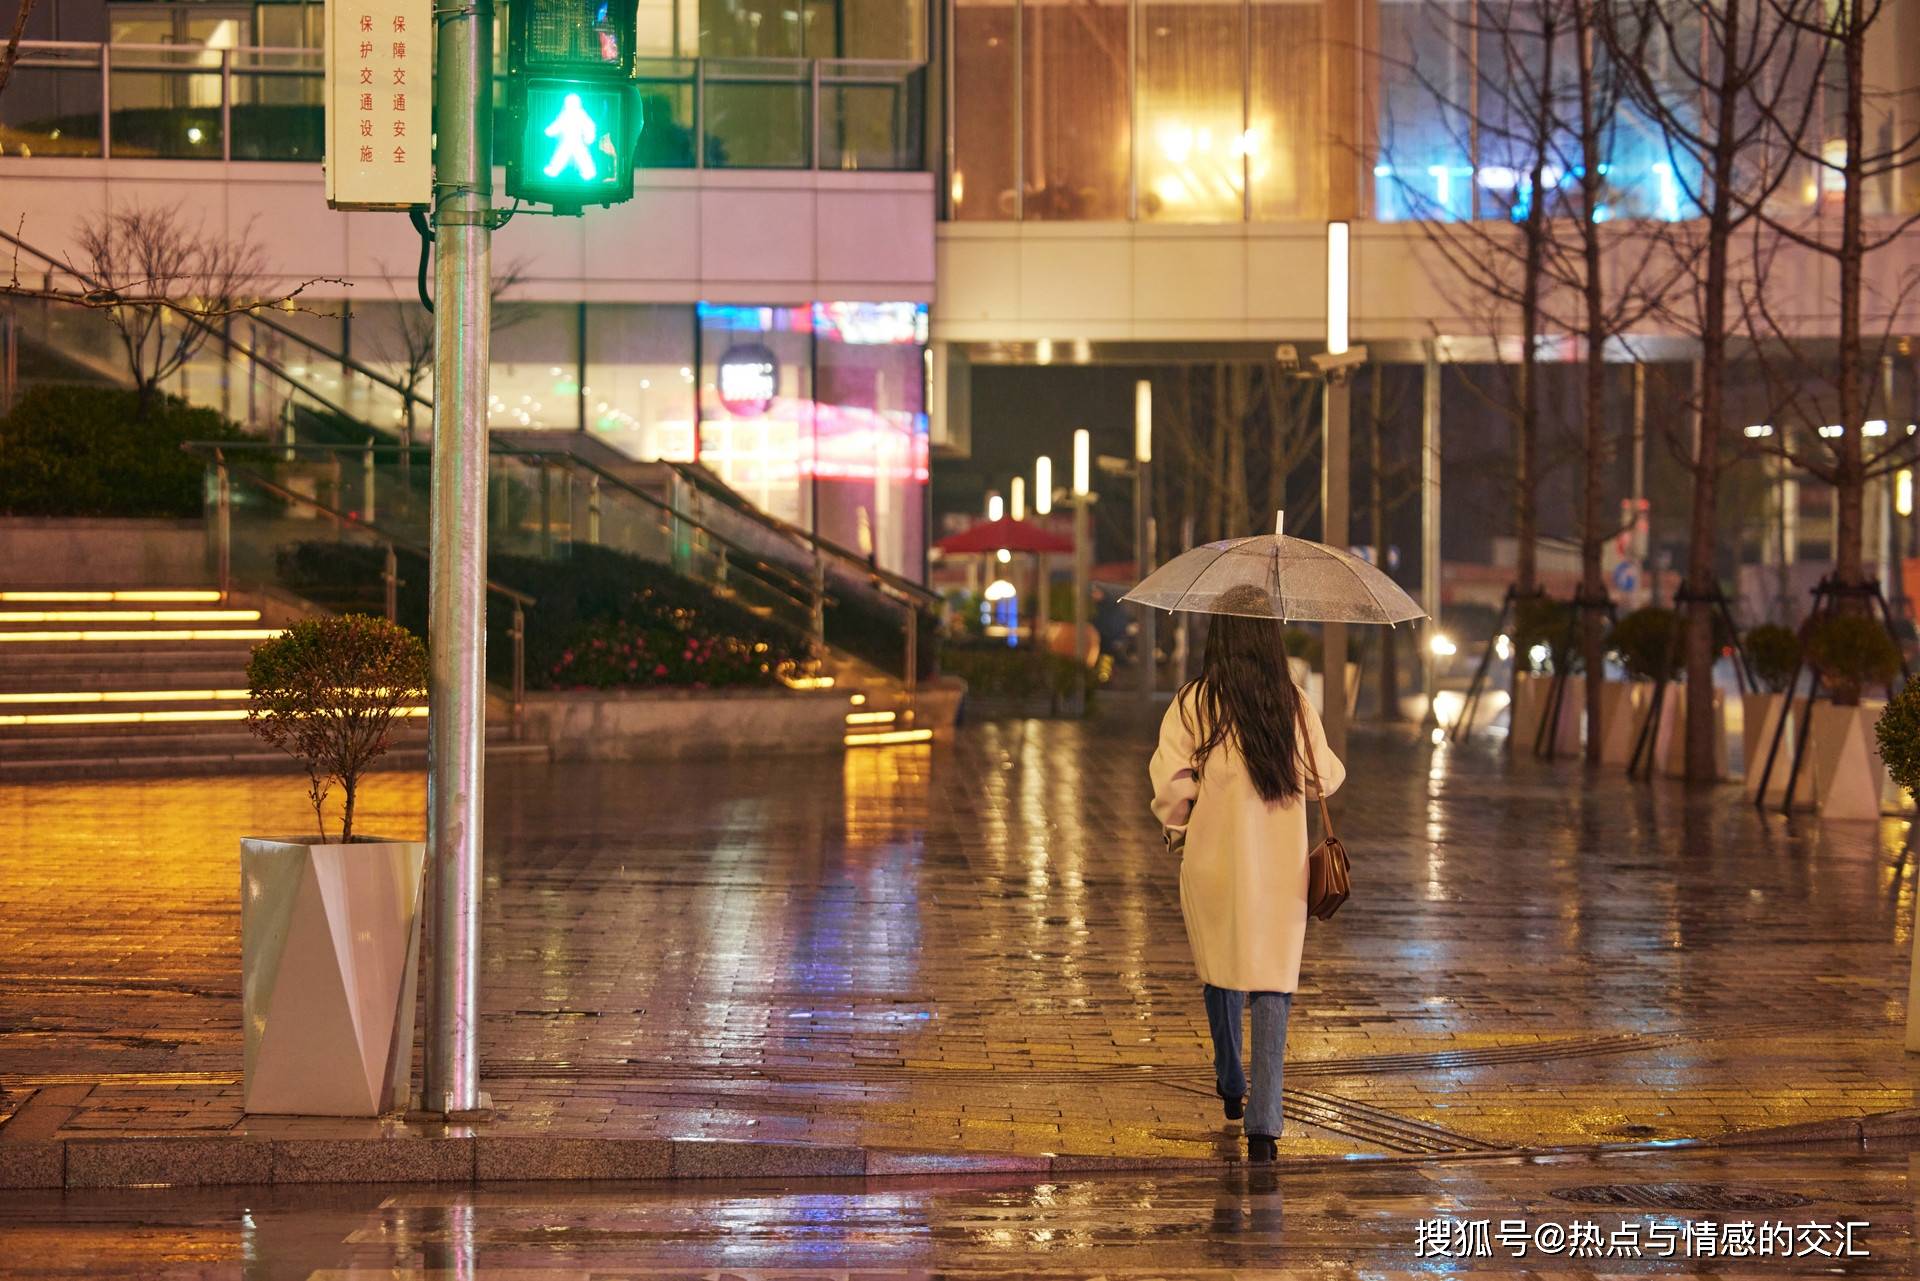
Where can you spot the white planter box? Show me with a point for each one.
(329, 943)
(1531, 695)
(1760, 714)
(1622, 707)
(1670, 737)
(1848, 778)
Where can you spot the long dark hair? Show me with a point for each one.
(1245, 693)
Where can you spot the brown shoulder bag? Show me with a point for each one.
(1328, 883)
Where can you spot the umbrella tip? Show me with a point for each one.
(1280, 524)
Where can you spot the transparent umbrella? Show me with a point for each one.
(1293, 579)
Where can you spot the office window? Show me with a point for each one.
(1287, 153)
(1192, 132)
(756, 404)
(981, 185)
(1075, 109)
(639, 390)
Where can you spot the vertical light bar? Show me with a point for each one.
(1143, 421)
(1082, 462)
(996, 507)
(1337, 268)
(1042, 485)
(1017, 505)
(1903, 491)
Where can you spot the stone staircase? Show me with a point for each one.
(140, 681)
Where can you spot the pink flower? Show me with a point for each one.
(660, 669)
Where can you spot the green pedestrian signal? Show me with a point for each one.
(572, 105)
(575, 145)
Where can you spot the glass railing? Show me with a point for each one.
(193, 103)
(303, 523)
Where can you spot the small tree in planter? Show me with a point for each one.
(1545, 642)
(1851, 652)
(1773, 656)
(1898, 733)
(1652, 645)
(1645, 645)
(326, 691)
(330, 932)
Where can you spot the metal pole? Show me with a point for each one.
(1082, 576)
(1430, 519)
(1334, 486)
(1889, 572)
(223, 529)
(456, 683)
(1146, 651)
(1637, 540)
(1183, 629)
(368, 495)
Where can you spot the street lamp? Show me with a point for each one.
(1334, 480)
(1017, 505)
(1042, 485)
(1082, 550)
(996, 507)
(1143, 539)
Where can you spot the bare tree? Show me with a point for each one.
(411, 343)
(12, 53)
(1720, 80)
(1822, 394)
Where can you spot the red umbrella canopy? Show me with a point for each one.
(1010, 535)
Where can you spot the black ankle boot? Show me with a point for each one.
(1235, 1108)
(1261, 1149)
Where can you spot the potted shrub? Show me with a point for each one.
(1545, 641)
(1773, 655)
(1850, 652)
(1897, 731)
(1652, 644)
(330, 928)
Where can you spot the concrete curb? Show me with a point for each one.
(202, 1161)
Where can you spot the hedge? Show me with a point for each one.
(89, 451)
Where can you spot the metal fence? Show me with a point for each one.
(188, 102)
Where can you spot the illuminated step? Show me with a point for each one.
(172, 634)
(130, 696)
(871, 718)
(882, 738)
(150, 718)
(130, 616)
(185, 597)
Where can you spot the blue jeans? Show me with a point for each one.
(1270, 1010)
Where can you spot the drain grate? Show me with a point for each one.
(1681, 1196)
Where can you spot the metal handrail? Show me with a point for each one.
(705, 481)
(223, 533)
(230, 343)
(815, 74)
(669, 511)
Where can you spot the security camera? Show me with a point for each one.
(1287, 356)
(1328, 362)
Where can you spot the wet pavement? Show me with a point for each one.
(976, 947)
(1821, 1211)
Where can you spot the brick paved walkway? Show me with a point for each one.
(978, 948)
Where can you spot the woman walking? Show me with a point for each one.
(1241, 751)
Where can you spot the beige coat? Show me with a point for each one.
(1243, 873)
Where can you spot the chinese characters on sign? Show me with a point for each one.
(379, 103)
(1449, 1238)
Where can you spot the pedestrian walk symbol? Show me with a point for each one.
(576, 142)
(573, 132)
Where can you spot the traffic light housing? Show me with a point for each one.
(572, 106)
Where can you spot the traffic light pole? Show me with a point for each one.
(456, 683)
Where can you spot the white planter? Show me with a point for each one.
(1670, 736)
(1315, 685)
(1531, 694)
(329, 944)
(1622, 706)
(1848, 778)
(1760, 715)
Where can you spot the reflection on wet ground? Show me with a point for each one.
(1361, 1219)
(978, 947)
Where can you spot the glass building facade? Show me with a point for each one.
(816, 413)
(1211, 111)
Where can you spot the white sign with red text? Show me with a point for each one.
(379, 103)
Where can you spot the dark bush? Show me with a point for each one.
(89, 451)
(1851, 652)
(1898, 732)
(1002, 671)
(1773, 652)
(1650, 643)
(630, 606)
(1542, 620)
